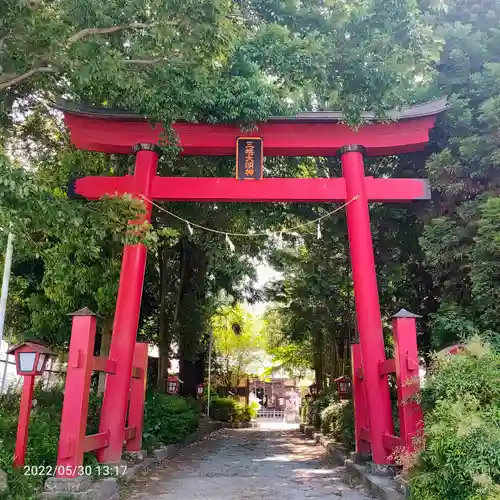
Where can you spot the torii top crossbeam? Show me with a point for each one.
(307, 134)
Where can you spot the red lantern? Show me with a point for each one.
(173, 384)
(199, 391)
(343, 386)
(31, 360)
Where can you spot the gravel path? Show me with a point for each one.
(274, 462)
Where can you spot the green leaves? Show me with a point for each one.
(461, 456)
(346, 56)
(459, 238)
(67, 253)
(485, 270)
(236, 350)
(337, 421)
(167, 420)
(127, 54)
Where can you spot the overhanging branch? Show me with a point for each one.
(106, 31)
(13, 80)
(144, 62)
(9, 80)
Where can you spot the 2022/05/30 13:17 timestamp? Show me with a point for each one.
(70, 471)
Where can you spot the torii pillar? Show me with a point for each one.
(128, 308)
(366, 298)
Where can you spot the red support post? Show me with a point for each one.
(76, 393)
(387, 367)
(359, 399)
(392, 442)
(105, 365)
(24, 420)
(95, 441)
(128, 305)
(137, 395)
(407, 376)
(367, 302)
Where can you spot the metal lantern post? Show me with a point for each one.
(5, 283)
(31, 360)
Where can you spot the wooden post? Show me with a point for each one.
(407, 375)
(137, 396)
(24, 420)
(359, 400)
(76, 394)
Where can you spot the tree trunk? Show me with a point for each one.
(191, 364)
(318, 359)
(193, 372)
(165, 336)
(107, 330)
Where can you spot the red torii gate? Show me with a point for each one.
(308, 134)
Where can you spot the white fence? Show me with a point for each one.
(270, 414)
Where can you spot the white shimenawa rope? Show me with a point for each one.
(191, 224)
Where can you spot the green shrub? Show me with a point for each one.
(337, 421)
(327, 418)
(195, 404)
(460, 459)
(168, 419)
(223, 409)
(315, 410)
(43, 437)
(474, 371)
(230, 410)
(316, 406)
(242, 413)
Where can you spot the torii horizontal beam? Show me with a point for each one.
(225, 189)
(307, 134)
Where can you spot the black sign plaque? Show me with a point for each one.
(249, 158)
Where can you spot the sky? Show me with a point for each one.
(265, 274)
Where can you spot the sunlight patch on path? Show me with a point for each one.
(270, 461)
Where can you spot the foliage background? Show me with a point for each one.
(209, 60)
(461, 401)
(225, 61)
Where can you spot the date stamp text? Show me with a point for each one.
(72, 471)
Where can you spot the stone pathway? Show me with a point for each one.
(273, 462)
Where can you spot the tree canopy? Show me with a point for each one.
(238, 342)
(241, 62)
